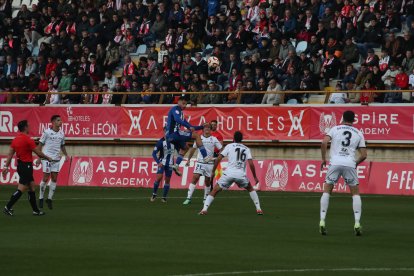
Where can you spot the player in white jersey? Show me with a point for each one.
(203, 168)
(345, 140)
(238, 156)
(52, 143)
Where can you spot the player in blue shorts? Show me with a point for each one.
(179, 137)
(163, 154)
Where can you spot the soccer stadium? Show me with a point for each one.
(206, 137)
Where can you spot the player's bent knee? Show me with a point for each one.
(328, 187)
(354, 189)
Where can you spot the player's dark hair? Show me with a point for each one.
(238, 137)
(22, 125)
(182, 98)
(54, 117)
(214, 121)
(349, 116)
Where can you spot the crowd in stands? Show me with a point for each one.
(145, 46)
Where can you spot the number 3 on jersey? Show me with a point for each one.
(347, 140)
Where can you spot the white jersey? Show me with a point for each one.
(346, 140)
(237, 155)
(210, 143)
(52, 142)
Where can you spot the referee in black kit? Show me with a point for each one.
(23, 146)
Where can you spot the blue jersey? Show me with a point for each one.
(164, 152)
(175, 120)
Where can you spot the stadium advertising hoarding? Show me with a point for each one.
(78, 122)
(274, 175)
(13, 178)
(258, 123)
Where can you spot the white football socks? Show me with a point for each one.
(208, 202)
(255, 199)
(206, 191)
(357, 206)
(52, 188)
(324, 205)
(42, 189)
(191, 189)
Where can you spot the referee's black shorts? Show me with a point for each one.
(25, 171)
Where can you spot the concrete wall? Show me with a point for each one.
(277, 152)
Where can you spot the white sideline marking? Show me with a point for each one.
(183, 197)
(301, 270)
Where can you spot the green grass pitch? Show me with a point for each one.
(96, 231)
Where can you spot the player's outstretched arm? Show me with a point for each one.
(184, 122)
(8, 161)
(362, 155)
(41, 154)
(253, 169)
(324, 149)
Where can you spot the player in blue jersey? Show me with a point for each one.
(179, 137)
(163, 154)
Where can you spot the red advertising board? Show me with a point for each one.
(11, 115)
(375, 122)
(146, 123)
(391, 178)
(301, 176)
(78, 121)
(274, 175)
(257, 123)
(13, 178)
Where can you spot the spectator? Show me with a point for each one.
(350, 53)
(111, 56)
(52, 98)
(110, 80)
(371, 38)
(273, 98)
(367, 97)
(350, 74)
(65, 82)
(129, 67)
(390, 75)
(392, 96)
(330, 68)
(212, 98)
(384, 61)
(338, 97)
(134, 98)
(408, 62)
(81, 79)
(249, 98)
(10, 66)
(372, 59)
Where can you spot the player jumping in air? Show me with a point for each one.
(51, 143)
(345, 141)
(163, 154)
(179, 137)
(202, 168)
(237, 154)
